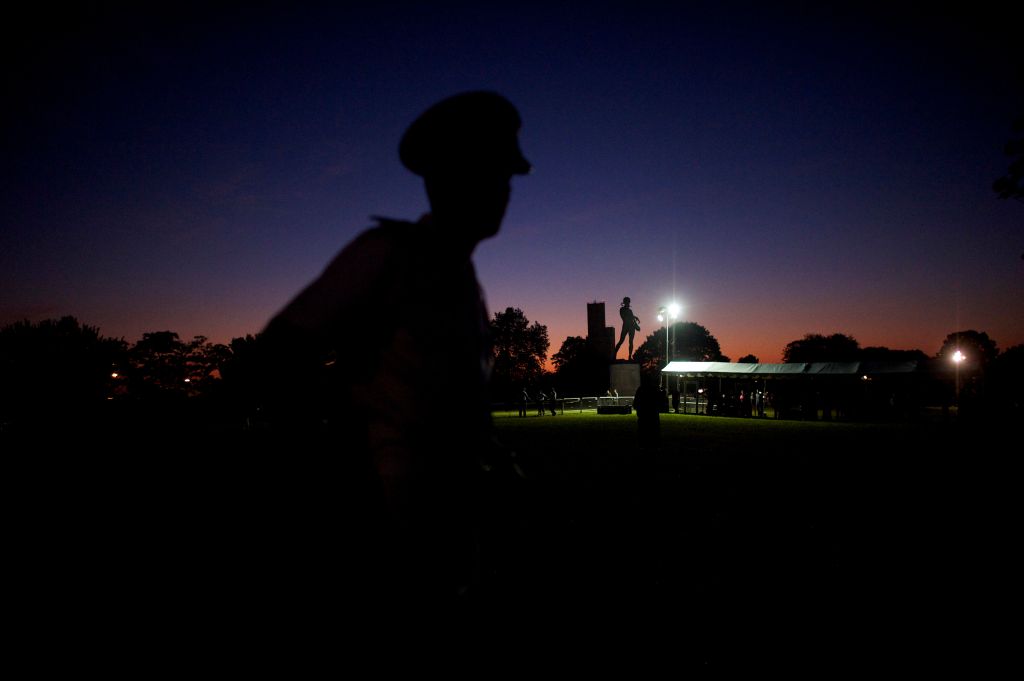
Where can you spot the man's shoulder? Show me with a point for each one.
(377, 243)
(385, 231)
(390, 235)
(385, 225)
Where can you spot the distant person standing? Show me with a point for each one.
(523, 401)
(630, 325)
(553, 397)
(541, 399)
(647, 403)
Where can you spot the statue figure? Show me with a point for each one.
(630, 325)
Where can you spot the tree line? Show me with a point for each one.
(64, 367)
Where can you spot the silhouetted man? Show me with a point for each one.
(379, 408)
(647, 404)
(630, 325)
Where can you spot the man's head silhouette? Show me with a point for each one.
(469, 133)
(466, 149)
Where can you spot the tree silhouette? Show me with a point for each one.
(240, 368)
(56, 369)
(159, 365)
(884, 354)
(978, 349)
(579, 369)
(164, 366)
(689, 342)
(748, 359)
(1006, 377)
(972, 373)
(520, 349)
(814, 347)
(245, 379)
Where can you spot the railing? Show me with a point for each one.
(570, 404)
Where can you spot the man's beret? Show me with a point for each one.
(472, 131)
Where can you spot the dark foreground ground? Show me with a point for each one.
(901, 531)
(861, 539)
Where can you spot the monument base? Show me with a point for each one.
(624, 378)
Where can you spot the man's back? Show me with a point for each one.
(386, 345)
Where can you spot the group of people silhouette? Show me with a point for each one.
(542, 400)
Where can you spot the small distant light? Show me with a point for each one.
(114, 375)
(661, 317)
(188, 380)
(959, 356)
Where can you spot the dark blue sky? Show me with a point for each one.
(778, 172)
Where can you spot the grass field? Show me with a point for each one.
(823, 518)
(701, 434)
(610, 441)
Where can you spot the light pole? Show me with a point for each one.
(663, 317)
(957, 358)
(665, 313)
(674, 309)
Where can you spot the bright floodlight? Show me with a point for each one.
(674, 309)
(958, 356)
(661, 314)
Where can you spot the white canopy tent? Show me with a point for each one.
(802, 389)
(750, 370)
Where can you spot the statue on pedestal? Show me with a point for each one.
(630, 325)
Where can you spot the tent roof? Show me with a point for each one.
(736, 369)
